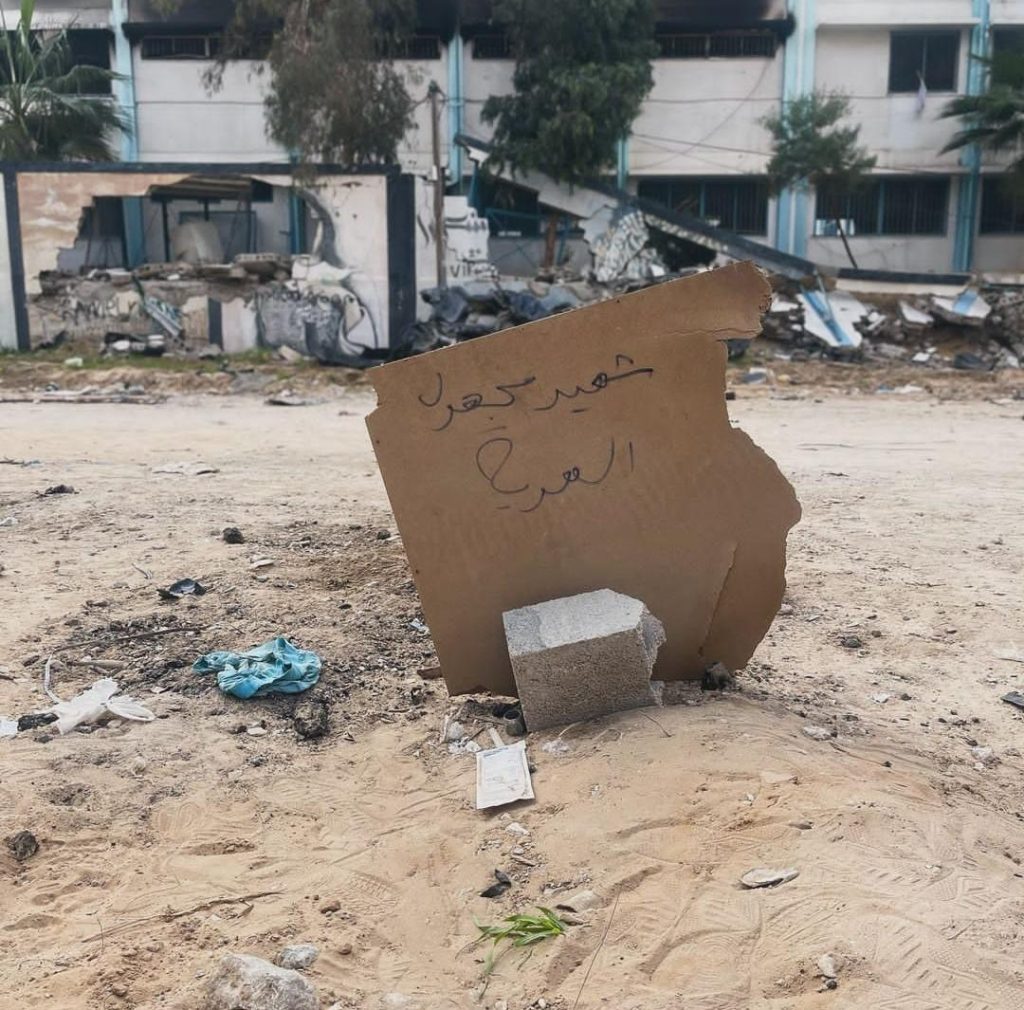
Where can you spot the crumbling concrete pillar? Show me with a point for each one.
(581, 657)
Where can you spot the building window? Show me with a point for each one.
(493, 46)
(705, 45)
(90, 47)
(416, 47)
(181, 47)
(740, 205)
(928, 57)
(885, 207)
(1002, 208)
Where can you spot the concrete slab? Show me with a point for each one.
(581, 657)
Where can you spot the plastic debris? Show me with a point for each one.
(96, 703)
(183, 587)
(275, 667)
(768, 878)
(499, 887)
(502, 776)
(8, 727)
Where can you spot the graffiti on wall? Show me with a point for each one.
(330, 326)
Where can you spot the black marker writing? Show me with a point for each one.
(475, 401)
(574, 476)
(599, 382)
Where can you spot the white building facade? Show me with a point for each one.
(698, 143)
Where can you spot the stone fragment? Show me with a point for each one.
(297, 956)
(581, 657)
(768, 878)
(23, 845)
(243, 982)
(311, 719)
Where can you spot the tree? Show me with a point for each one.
(50, 109)
(810, 148)
(583, 68)
(335, 94)
(995, 120)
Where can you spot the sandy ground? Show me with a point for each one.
(163, 845)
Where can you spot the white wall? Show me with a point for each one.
(481, 79)
(892, 12)
(999, 253)
(61, 13)
(8, 327)
(703, 117)
(856, 62)
(179, 120)
(1007, 12)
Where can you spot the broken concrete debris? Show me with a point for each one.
(244, 982)
(583, 656)
(603, 433)
(22, 845)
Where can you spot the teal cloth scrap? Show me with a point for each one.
(274, 667)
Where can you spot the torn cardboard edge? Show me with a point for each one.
(588, 450)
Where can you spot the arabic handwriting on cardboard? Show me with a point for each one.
(496, 456)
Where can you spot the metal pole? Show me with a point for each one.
(435, 138)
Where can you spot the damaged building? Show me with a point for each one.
(202, 235)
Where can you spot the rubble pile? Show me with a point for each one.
(985, 328)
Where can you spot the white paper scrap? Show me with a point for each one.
(502, 776)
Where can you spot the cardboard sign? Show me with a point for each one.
(586, 451)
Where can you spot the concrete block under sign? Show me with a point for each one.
(584, 656)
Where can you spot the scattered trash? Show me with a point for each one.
(514, 724)
(74, 362)
(245, 981)
(8, 728)
(22, 845)
(311, 719)
(232, 535)
(417, 625)
(717, 677)
(35, 720)
(274, 667)
(258, 563)
(186, 469)
(297, 956)
(183, 587)
(967, 309)
(97, 703)
(768, 878)
(501, 885)
(515, 828)
(9, 521)
(556, 746)
(1014, 698)
(454, 731)
(60, 489)
(818, 732)
(502, 776)
(581, 901)
(827, 966)
(287, 399)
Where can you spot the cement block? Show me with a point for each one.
(581, 657)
